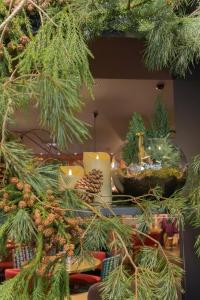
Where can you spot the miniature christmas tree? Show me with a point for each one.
(130, 150)
(159, 127)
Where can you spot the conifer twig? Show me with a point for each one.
(13, 14)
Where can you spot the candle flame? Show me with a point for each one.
(70, 172)
(97, 157)
(113, 165)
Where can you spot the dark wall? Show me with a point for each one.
(187, 115)
(120, 57)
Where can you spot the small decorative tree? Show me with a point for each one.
(159, 127)
(130, 150)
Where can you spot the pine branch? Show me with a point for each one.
(13, 14)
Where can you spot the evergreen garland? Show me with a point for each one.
(44, 58)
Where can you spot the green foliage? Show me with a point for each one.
(130, 150)
(20, 161)
(159, 127)
(119, 283)
(158, 275)
(164, 151)
(22, 229)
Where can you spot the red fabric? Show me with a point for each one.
(87, 278)
(10, 273)
(99, 255)
(6, 264)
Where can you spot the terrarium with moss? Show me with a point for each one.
(150, 157)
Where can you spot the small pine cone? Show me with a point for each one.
(71, 247)
(51, 217)
(38, 221)
(61, 240)
(66, 247)
(49, 192)
(46, 223)
(7, 208)
(37, 213)
(20, 47)
(24, 40)
(33, 198)
(71, 221)
(50, 198)
(22, 204)
(27, 188)
(11, 46)
(14, 180)
(30, 203)
(40, 228)
(20, 186)
(70, 253)
(5, 196)
(26, 196)
(48, 232)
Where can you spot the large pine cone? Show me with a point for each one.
(90, 184)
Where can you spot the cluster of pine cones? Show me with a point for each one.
(27, 199)
(90, 185)
(46, 217)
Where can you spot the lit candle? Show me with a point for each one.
(69, 176)
(100, 161)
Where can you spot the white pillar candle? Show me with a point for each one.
(100, 161)
(69, 176)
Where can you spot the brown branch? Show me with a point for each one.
(4, 29)
(13, 14)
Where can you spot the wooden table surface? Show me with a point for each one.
(83, 266)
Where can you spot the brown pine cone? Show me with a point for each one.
(26, 196)
(7, 208)
(27, 188)
(49, 192)
(22, 204)
(20, 47)
(70, 253)
(51, 217)
(49, 232)
(24, 40)
(30, 203)
(37, 213)
(20, 186)
(5, 196)
(61, 240)
(14, 180)
(71, 221)
(38, 221)
(40, 228)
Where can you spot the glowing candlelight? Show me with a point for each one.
(100, 161)
(69, 175)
